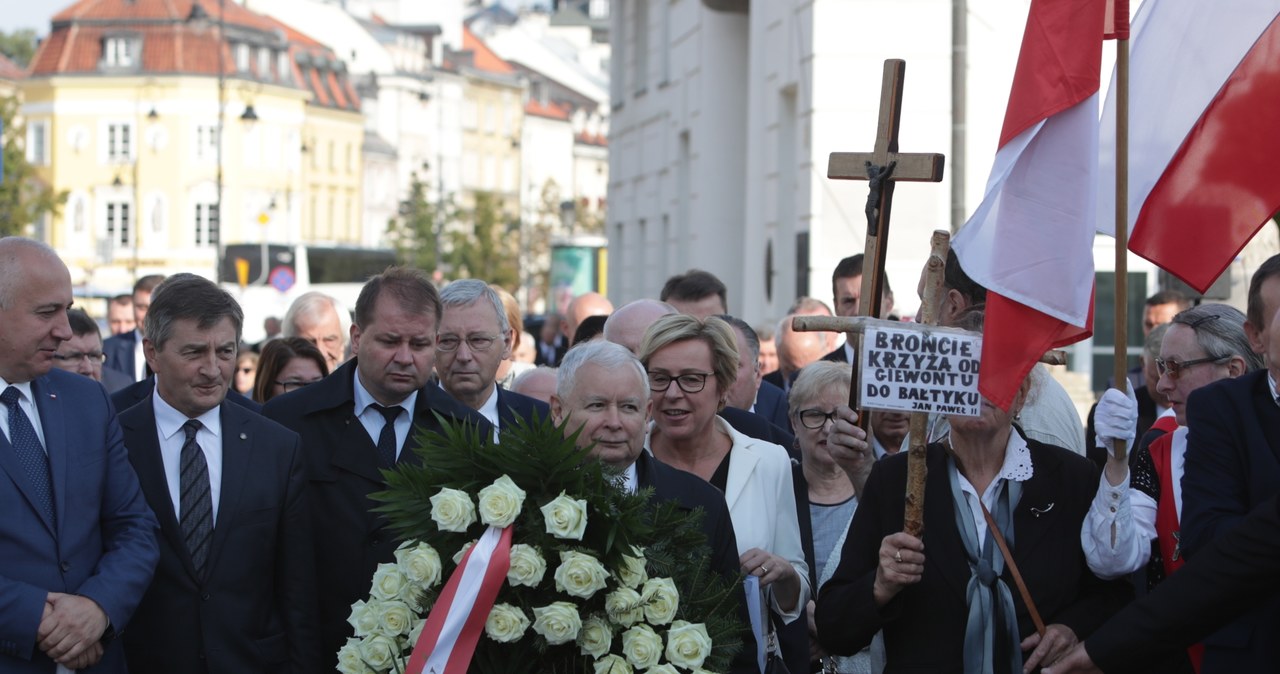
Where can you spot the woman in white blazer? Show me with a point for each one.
(691, 365)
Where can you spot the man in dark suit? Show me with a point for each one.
(603, 391)
(846, 292)
(1231, 576)
(474, 339)
(1232, 466)
(83, 354)
(235, 589)
(697, 293)
(77, 539)
(798, 349)
(749, 392)
(141, 390)
(551, 343)
(358, 421)
(124, 351)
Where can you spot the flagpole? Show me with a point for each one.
(1122, 222)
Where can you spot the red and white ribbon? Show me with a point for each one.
(456, 621)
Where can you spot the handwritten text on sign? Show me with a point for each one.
(920, 371)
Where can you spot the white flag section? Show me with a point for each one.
(1025, 241)
(1180, 55)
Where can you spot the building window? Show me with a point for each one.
(206, 228)
(242, 57)
(119, 52)
(38, 143)
(284, 72)
(264, 63)
(119, 228)
(642, 45)
(119, 142)
(206, 141)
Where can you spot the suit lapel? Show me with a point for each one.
(9, 459)
(944, 549)
(142, 439)
(355, 452)
(237, 448)
(741, 466)
(1268, 414)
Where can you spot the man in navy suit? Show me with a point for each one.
(1232, 466)
(846, 291)
(77, 539)
(473, 341)
(749, 391)
(357, 421)
(124, 351)
(235, 589)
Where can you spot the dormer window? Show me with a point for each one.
(242, 57)
(121, 52)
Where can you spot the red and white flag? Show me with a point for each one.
(1203, 138)
(1030, 241)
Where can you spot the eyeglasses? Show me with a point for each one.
(689, 382)
(477, 343)
(1174, 368)
(293, 385)
(816, 419)
(76, 356)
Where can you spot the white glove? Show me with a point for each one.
(1116, 419)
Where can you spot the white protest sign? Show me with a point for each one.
(920, 369)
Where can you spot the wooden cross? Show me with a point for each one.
(882, 168)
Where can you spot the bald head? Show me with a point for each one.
(538, 383)
(626, 326)
(17, 256)
(35, 293)
(582, 306)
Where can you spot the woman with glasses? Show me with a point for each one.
(1128, 529)
(949, 602)
(815, 395)
(692, 364)
(246, 371)
(287, 364)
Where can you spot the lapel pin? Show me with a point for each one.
(1037, 512)
(244, 436)
(53, 396)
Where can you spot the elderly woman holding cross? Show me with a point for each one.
(992, 497)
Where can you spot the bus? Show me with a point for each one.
(265, 278)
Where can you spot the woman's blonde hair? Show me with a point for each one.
(715, 332)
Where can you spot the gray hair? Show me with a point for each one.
(813, 380)
(189, 297)
(748, 334)
(524, 378)
(13, 249)
(1151, 346)
(309, 307)
(465, 292)
(1219, 331)
(607, 355)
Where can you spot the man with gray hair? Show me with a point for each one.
(474, 339)
(749, 391)
(323, 321)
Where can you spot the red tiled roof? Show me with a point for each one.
(10, 70)
(592, 139)
(484, 58)
(550, 110)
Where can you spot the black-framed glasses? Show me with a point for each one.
(293, 384)
(815, 418)
(1174, 368)
(689, 382)
(478, 342)
(76, 356)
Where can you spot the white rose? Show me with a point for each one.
(527, 566)
(559, 623)
(379, 651)
(364, 617)
(506, 623)
(457, 556)
(387, 582)
(662, 669)
(396, 618)
(420, 564)
(500, 502)
(624, 606)
(580, 575)
(661, 599)
(632, 573)
(688, 645)
(349, 661)
(565, 517)
(595, 638)
(642, 646)
(612, 664)
(453, 510)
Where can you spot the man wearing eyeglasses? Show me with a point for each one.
(474, 340)
(363, 418)
(82, 353)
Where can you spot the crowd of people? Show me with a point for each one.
(179, 501)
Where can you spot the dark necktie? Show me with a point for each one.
(30, 452)
(387, 438)
(196, 502)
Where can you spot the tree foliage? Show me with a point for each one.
(485, 247)
(24, 197)
(415, 234)
(19, 46)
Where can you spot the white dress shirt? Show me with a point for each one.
(139, 358)
(169, 423)
(1017, 467)
(373, 421)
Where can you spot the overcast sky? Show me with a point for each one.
(18, 14)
